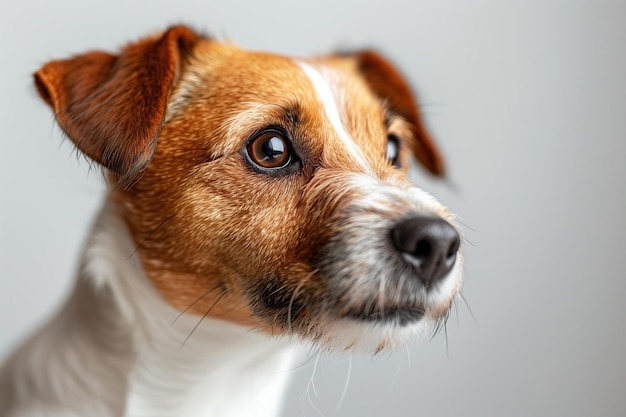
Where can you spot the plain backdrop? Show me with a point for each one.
(526, 99)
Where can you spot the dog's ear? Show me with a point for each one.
(387, 83)
(112, 106)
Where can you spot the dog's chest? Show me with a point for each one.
(240, 379)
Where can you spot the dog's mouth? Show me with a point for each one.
(398, 315)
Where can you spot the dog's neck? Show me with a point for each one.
(154, 361)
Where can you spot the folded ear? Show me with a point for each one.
(112, 106)
(387, 83)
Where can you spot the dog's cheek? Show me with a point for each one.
(247, 219)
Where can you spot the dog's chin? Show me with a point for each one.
(374, 329)
(373, 333)
(396, 316)
(360, 330)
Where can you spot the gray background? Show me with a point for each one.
(526, 99)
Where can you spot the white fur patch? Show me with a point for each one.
(325, 92)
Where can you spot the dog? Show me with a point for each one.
(256, 202)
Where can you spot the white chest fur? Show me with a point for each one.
(117, 349)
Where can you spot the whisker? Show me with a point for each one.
(201, 319)
(465, 225)
(195, 302)
(436, 329)
(468, 308)
(441, 325)
(345, 386)
(167, 219)
(317, 410)
(469, 242)
(317, 360)
(308, 362)
(445, 332)
(290, 307)
(307, 391)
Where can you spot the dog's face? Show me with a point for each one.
(268, 191)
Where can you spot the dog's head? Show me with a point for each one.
(265, 190)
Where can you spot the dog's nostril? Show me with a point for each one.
(428, 244)
(423, 249)
(454, 248)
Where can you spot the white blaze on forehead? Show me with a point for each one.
(325, 93)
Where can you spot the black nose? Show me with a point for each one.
(428, 244)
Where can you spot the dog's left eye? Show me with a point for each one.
(269, 150)
(393, 150)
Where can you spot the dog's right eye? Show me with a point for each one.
(393, 150)
(269, 150)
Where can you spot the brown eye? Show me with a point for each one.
(269, 150)
(393, 150)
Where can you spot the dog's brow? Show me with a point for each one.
(325, 94)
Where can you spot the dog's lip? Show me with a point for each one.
(401, 315)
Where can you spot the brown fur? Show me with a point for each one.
(213, 235)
